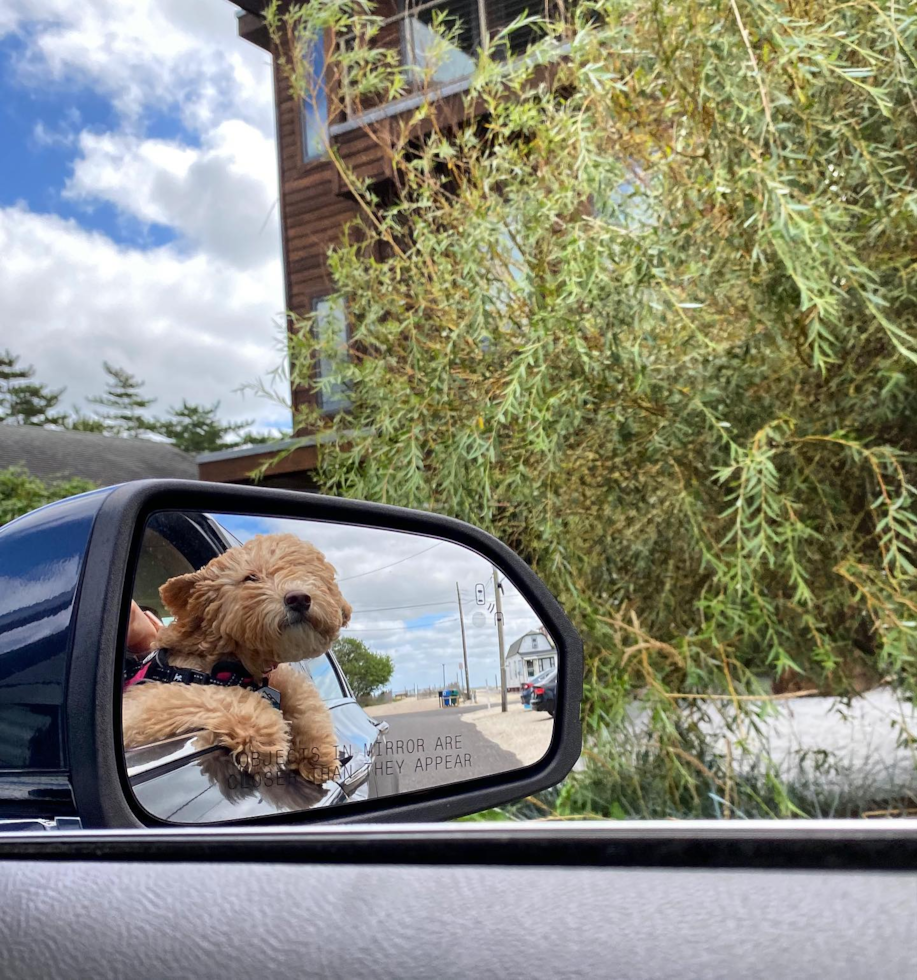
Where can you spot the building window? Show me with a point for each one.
(331, 327)
(471, 24)
(419, 38)
(534, 642)
(314, 114)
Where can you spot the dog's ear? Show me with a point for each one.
(176, 593)
(346, 610)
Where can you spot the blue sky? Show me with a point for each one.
(138, 200)
(40, 124)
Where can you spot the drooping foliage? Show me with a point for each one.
(648, 312)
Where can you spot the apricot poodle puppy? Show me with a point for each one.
(267, 604)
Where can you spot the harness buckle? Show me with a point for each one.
(271, 694)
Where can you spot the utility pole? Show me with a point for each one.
(458, 596)
(499, 601)
(444, 677)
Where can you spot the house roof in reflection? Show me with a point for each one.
(517, 646)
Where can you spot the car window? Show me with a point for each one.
(159, 561)
(174, 544)
(672, 367)
(324, 677)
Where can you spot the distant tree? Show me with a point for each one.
(196, 428)
(78, 422)
(33, 403)
(23, 401)
(21, 492)
(11, 374)
(124, 403)
(263, 438)
(365, 671)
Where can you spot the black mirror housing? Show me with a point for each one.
(90, 720)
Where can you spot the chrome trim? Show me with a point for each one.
(26, 825)
(356, 773)
(179, 748)
(333, 795)
(29, 825)
(891, 828)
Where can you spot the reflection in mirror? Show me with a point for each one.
(276, 665)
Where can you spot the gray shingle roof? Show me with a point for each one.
(514, 647)
(51, 453)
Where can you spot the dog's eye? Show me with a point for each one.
(250, 578)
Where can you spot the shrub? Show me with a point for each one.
(649, 314)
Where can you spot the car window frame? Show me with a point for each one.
(347, 695)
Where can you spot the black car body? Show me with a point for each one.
(544, 695)
(174, 779)
(525, 694)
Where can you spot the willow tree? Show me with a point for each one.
(648, 312)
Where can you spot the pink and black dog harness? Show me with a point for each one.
(225, 673)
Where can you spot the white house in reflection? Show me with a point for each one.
(529, 656)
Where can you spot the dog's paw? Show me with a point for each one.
(318, 762)
(257, 757)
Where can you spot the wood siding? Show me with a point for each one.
(290, 473)
(315, 202)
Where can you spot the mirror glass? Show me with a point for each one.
(275, 665)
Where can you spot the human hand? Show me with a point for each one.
(142, 629)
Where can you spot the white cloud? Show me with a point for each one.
(63, 135)
(191, 325)
(195, 319)
(170, 56)
(221, 197)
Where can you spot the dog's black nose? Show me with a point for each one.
(299, 601)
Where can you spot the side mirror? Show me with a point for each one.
(241, 654)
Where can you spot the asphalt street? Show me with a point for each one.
(431, 748)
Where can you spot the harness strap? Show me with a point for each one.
(226, 673)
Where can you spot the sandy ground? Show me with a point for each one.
(410, 705)
(405, 706)
(527, 734)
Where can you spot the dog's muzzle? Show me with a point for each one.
(297, 605)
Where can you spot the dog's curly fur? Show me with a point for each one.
(237, 607)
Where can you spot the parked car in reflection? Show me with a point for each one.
(544, 694)
(525, 694)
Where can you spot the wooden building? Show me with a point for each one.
(315, 204)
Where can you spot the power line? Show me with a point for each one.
(398, 629)
(382, 568)
(410, 605)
